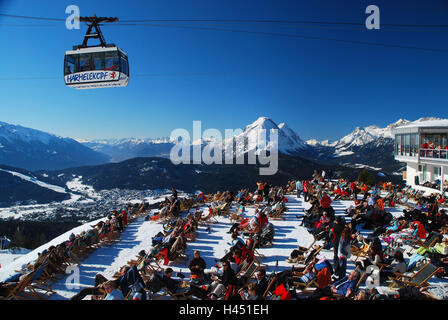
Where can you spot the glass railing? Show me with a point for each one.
(434, 153)
(406, 153)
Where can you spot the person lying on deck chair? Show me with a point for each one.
(343, 287)
(252, 292)
(98, 289)
(112, 291)
(240, 256)
(171, 284)
(237, 243)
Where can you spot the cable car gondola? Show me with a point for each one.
(100, 66)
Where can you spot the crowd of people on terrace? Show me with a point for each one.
(366, 230)
(431, 150)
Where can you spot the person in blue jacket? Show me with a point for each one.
(343, 287)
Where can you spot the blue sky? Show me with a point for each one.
(321, 89)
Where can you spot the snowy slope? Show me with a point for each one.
(35, 181)
(11, 268)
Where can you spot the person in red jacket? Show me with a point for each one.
(420, 229)
(306, 190)
(325, 201)
(262, 219)
(124, 214)
(240, 255)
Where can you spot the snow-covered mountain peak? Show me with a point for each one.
(358, 137)
(398, 123)
(361, 136)
(261, 123)
(287, 130)
(313, 142)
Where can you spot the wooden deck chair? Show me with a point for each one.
(361, 280)
(302, 251)
(391, 250)
(81, 252)
(20, 286)
(278, 215)
(28, 286)
(362, 253)
(62, 257)
(304, 286)
(191, 235)
(242, 268)
(210, 218)
(237, 215)
(418, 279)
(136, 262)
(257, 254)
(165, 218)
(249, 271)
(109, 238)
(429, 242)
(184, 294)
(179, 256)
(310, 256)
(224, 209)
(46, 276)
(40, 288)
(149, 266)
(71, 255)
(270, 285)
(298, 274)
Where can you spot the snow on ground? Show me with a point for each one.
(9, 256)
(35, 181)
(341, 153)
(212, 244)
(361, 166)
(76, 185)
(18, 212)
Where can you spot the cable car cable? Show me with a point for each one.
(244, 20)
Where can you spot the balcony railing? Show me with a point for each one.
(434, 153)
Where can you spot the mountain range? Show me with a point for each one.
(32, 149)
(369, 147)
(35, 166)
